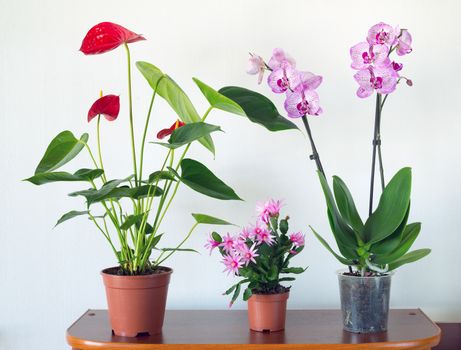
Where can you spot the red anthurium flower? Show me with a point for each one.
(107, 36)
(165, 132)
(108, 105)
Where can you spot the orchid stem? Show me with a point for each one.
(315, 154)
(130, 100)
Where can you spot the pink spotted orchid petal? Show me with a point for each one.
(283, 79)
(255, 66)
(383, 80)
(280, 58)
(382, 33)
(363, 55)
(308, 81)
(301, 102)
(404, 43)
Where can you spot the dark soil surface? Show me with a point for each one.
(367, 274)
(118, 271)
(279, 289)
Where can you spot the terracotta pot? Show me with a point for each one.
(267, 312)
(136, 303)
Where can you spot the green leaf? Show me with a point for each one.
(59, 176)
(392, 241)
(236, 293)
(231, 289)
(62, 149)
(283, 226)
(92, 195)
(409, 236)
(71, 214)
(156, 239)
(189, 133)
(295, 270)
(258, 108)
(178, 250)
(346, 205)
(210, 220)
(175, 96)
(344, 235)
(391, 209)
(409, 258)
(286, 279)
(131, 220)
(161, 175)
(218, 100)
(327, 246)
(198, 177)
(216, 237)
(273, 273)
(247, 294)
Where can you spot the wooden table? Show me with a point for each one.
(305, 329)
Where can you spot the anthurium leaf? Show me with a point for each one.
(409, 258)
(295, 270)
(175, 96)
(71, 214)
(198, 177)
(346, 205)
(218, 100)
(59, 176)
(391, 209)
(327, 246)
(189, 133)
(131, 220)
(409, 236)
(247, 293)
(62, 149)
(161, 175)
(142, 191)
(391, 242)
(210, 220)
(344, 235)
(156, 240)
(258, 108)
(102, 192)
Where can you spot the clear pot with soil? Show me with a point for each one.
(136, 303)
(267, 312)
(364, 302)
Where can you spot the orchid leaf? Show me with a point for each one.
(327, 246)
(62, 149)
(346, 205)
(258, 108)
(409, 258)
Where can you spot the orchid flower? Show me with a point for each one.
(280, 58)
(404, 43)
(256, 65)
(383, 80)
(302, 102)
(363, 54)
(382, 33)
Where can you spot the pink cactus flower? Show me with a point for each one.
(268, 209)
(363, 54)
(211, 243)
(262, 235)
(232, 262)
(301, 102)
(383, 80)
(404, 43)
(283, 79)
(239, 244)
(228, 243)
(255, 66)
(297, 239)
(249, 254)
(382, 33)
(279, 58)
(246, 233)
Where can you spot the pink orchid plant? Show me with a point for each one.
(259, 253)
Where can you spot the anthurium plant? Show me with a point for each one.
(129, 211)
(381, 242)
(259, 254)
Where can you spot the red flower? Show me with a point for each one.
(107, 36)
(108, 105)
(165, 132)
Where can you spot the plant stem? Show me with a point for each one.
(98, 136)
(315, 154)
(376, 142)
(130, 100)
(178, 246)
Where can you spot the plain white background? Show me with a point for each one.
(49, 277)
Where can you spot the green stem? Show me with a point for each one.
(130, 100)
(98, 136)
(178, 246)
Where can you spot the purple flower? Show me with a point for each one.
(268, 209)
(364, 54)
(279, 58)
(232, 263)
(301, 102)
(297, 239)
(249, 254)
(228, 243)
(383, 80)
(397, 66)
(262, 234)
(404, 43)
(283, 79)
(380, 34)
(211, 243)
(256, 65)
(246, 233)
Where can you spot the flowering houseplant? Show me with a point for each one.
(259, 254)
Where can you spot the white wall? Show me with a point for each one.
(49, 277)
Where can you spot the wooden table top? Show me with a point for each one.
(225, 329)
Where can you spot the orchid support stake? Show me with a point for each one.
(315, 154)
(376, 142)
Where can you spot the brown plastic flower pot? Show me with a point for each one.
(136, 303)
(267, 312)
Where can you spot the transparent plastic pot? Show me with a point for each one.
(365, 302)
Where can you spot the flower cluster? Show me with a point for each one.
(284, 78)
(260, 252)
(375, 69)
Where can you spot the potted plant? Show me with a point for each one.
(129, 211)
(374, 247)
(259, 254)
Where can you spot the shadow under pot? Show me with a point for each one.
(267, 312)
(136, 304)
(364, 302)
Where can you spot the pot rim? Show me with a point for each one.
(168, 271)
(270, 297)
(340, 273)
